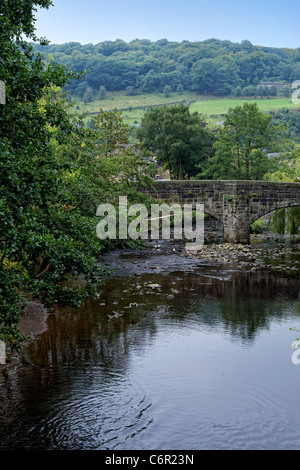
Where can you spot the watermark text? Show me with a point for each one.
(296, 353)
(296, 93)
(2, 93)
(136, 222)
(2, 353)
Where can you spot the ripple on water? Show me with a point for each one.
(259, 420)
(97, 419)
(208, 369)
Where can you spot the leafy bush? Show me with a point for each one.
(53, 174)
(258, 226)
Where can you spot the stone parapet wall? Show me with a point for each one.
(237, 204)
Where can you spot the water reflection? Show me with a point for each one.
(241, 306)
(166, 359)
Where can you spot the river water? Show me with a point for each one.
(178, 353)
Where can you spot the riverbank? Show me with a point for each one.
(32, 324)
(275, 254)
(265, 252)
(208, 332)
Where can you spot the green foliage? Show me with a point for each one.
(243, 143)
(178, 138)
(291, 119)
(111, 130)
(88, 95)
(108, 166)
(277, 221)
(286, 220)
(258, 226)
(293, 220)
(53, 174)
(250, 90)
(215, 76)
(102, 92)
(218, 107)
(211, 67)
(167, 91)
(286, 91)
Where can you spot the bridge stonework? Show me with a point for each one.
(236, 204)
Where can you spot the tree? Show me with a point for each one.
(150, 82)
(81, 88)
(117, 65)
(130, 91)
(102, 92)
(216, 76)
(247, 45)
(112, 131)
(88, 95)
(106, 166)
(250, 90)
(286, 91)
(251, 66)
(167, 91)
(243, 144)
(48, 179)
(238, 91)
(44, 235)
(178, 138)
(286, 220)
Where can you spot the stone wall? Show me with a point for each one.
(237, 204)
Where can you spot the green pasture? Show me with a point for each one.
(122, 101)
(221, 106)
(133, 107)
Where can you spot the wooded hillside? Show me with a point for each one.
(209, 67)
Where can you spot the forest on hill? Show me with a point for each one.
(55, 171)
(213, 66)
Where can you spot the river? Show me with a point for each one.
(179, 352)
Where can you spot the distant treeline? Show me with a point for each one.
(291, 119)
(209, 67)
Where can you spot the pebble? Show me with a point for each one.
(241, 254)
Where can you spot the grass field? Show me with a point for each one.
(120, 100)
(133, 107)
(220, 106)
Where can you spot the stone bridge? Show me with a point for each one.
(236, 204)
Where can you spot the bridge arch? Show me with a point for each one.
(237, 204)
(281, 205)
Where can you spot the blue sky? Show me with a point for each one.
(263, 22)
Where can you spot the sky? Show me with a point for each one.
(272, 23)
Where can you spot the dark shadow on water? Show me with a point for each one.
(153, 292)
